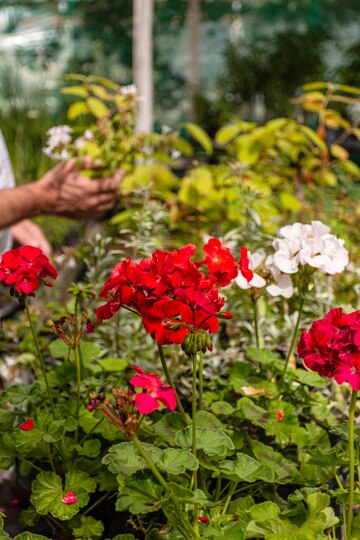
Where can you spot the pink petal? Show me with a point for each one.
(145, 403)
(70, 498)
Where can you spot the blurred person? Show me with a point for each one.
(63, 190)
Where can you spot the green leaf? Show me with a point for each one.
(47, 492)
(168, 426)
(284, 469)
(123, 458)
(213, 442)
(113, 364)
(227, 133)
(97, 107)
(314, 137)
(222, 408)
(77, 109)
(7, 451)
(30, 536)
(90, 448)
(74, 90)
(235, 530)
(245, 469)
(58, 349)
(200, 136)
(90, 528)
(266, 358)
(176, 461)
(140, 496)
(311, 378)
(124, 537)
(252, 412)
(20, 394)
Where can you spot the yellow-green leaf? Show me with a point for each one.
(314, 137)
(227, 133)
(339, 152)
(289, 202)
(75, 77)
(97, 107)
(200, 136)
(100, 91)
(328, 177)
(317, 85)
(76, 109)
(74, 90)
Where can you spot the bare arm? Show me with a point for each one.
(62, 190)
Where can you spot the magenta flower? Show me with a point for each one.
(155, 394)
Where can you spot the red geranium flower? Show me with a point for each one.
(331, 347)
(160, 318)
(28, 425)
(24, 267)
(156, 392)
(220, 262)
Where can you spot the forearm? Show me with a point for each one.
(21, 203)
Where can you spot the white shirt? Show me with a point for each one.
(7, 180)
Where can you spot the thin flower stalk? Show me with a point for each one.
(36, 343)
(351, 464)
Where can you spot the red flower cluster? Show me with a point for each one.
(24, 267)
(169, 291)
(332, 347)
(156, 392)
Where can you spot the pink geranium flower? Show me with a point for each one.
(156, 392)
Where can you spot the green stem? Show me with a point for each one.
(218, 489)
(229, 497)
(91, 431)
(194, 403)
(36, 343)
(185, 524)
(201, 380)
(256, 322)
(105, 496)
(171, 383)
(78, 380)
(351, 463)
(292, 344)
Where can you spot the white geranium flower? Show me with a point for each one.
(255, 259)
(310, 244)
(283, 285)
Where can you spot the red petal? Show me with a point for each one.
(28, 425)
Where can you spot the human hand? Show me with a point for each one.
(26, 232)
(65, 191)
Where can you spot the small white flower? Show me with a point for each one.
(59, 138)
(175, 154)
(129, 89)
